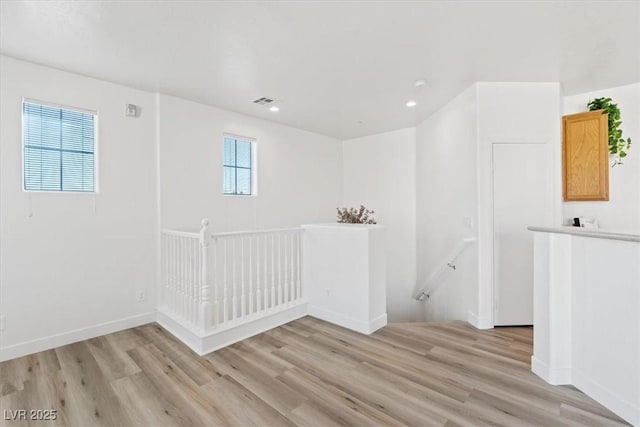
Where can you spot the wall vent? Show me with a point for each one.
(263, 101)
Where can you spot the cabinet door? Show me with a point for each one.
(585, 156)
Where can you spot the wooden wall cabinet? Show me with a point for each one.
(585, 156)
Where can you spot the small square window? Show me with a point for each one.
(58, 148)
(239, 166)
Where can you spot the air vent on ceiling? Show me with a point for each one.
(263, 101)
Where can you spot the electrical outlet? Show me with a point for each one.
(141, 295)
(2, 322)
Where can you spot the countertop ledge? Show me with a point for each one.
(589, 232)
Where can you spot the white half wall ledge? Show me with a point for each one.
(344, 274)
(586, 318)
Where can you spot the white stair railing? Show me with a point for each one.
(181, 292)
(437, 277)
(212, 282)
(256, 273)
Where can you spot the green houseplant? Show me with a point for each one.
(618, 146)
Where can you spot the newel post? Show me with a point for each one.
(205, 295)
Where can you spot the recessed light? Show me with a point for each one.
(411, 103)
(274, 109)
(419, 82)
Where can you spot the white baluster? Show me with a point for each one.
(250, 274)
(179, 274)
(185, 279)
(286, 270)
(258, 284)
(170, 259)
(273, 271)
(299, 266)
(234, 308)
(182, 280)
(189, 265)
(205, 305)
(196, 289)
(292, 268)
(176, 277)
(225, 302)
(280, 293)
(242, 280)
(165, 270)
(216, 305)
(265, 295)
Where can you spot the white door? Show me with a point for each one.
(522, 196)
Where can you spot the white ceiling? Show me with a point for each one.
(341, 68)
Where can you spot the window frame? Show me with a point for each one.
(253, 169)
(96, 158)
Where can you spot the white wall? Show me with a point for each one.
(455, 181)
(71, 263)
(511, 113)
(622, 211)
(577, 336)
(352, 292)
(446, 171)
(299, 172)
(379, 173)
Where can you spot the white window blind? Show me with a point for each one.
(59, 148)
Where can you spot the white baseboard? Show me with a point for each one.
(478, 322)
(629, 411)
(180, 331)
(339, 319)
(221, 339)
(212, 341)
(554, 376)
(53, 341)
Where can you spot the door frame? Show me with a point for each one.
(486, 283)
(493, 216)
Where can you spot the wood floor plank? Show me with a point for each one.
(342, 408)
(345, 379)
(112, 359)
(587, 418)
(46, 392)
(90, 401)
(310, 415)
(145, 404)
(399, 362)
(243, 406)
(305, 373)
(182, 356)
(250, 375)
(14, 373)
(180, 389)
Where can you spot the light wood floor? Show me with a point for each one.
(307, 372)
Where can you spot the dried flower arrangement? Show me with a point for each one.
(355, 216)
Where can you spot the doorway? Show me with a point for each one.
(522, 196)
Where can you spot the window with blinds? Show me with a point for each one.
(59, 148)
(238, 166)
